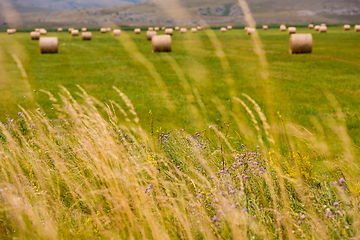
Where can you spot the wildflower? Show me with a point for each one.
(257, 147)
(243, 210)
(335, 183)
(341, 181)
(327, 215)
(232, 191)
(336, 204)
(299, 222)
(303, 217)
(214, 218)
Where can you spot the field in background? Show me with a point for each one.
(299, 84)
(94, 171)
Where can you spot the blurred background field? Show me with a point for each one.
(298, 84)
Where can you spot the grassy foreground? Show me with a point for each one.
(87, 177)
(91, 161)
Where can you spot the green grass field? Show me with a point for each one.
(298, 84)
(90, 171)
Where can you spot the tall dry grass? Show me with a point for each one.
(87, 176)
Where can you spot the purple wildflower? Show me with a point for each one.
(336, 204)
(214, 218)
(303, 217)
(341, 181)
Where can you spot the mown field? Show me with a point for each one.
(298, 84)
(286, 168)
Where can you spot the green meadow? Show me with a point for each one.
(226, 137)
(298, 85)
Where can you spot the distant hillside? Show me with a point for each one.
(71, 4)
(185, 12)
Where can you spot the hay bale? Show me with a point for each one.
(10, 31)
(199, 28)
(150, 29)
(43, 32)
(323, 29)
(183, 30)
(150, 35)
(75, 33)
(34, 35)
(156, 29)
(86, 36)
(245, 29)
(108, 29)
(161, 43)
(222, 29)
(84, 29)
(49, 45)
(250, 31)
(291, 30)
(177, 28)
(59, 29)
(169, 31)
(103, 30)
(301, 43)
(323, 25)
(229, 27)
(357, 28)
(137, 30)
(193, 30)
(117, 32)
(265, 27)
(37, 29)
(163, 28)
(311, 26)
(347, 27)
(317, 27)
(70, 30)
(282, 27)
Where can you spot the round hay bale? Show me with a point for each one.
(323, 25)
(222, 29)
(70, 30)
(169, 31)
(37, 29)
(193, 30)
(250, 31)
(245, 29)
(177, 28)
(156, 29)
(229, 27)
(150, 35)
(10, 31)
(150, 29)
(282, 27)
(161, 43)
(311, 26)
(301, 43)
(317, 27)
(347, 27)
(34, 35)
(43, 32)
(84, 29)
(199, 28)
(291, 30)
(265, 27)
(86, 36)
(108, 29)
(137, 30)
(75, 33)
(322, 29)
(183, 30)
(117, 32)
(357, 28)
(103, 30)
(163, 28)
(49, 45)
(59, 29)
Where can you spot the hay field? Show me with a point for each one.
(298, 83)
(209, 141)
